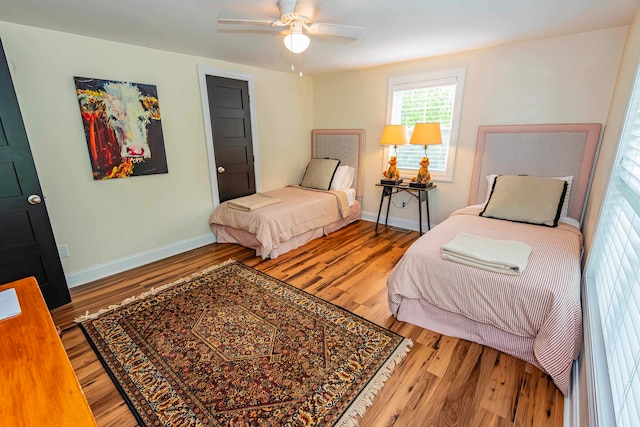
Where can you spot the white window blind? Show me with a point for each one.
(435, 98)
(613, 276)
(426, 104)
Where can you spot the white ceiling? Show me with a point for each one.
(398, 30)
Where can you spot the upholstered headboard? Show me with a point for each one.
(344, 144)
(553, 150)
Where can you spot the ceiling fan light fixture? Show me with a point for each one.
(296, 41)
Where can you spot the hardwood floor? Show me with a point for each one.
(444, 381)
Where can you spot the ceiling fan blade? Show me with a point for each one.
(261, 30)
(325, 29)
(247, 21)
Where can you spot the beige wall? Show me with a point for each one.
(555, 80)
(613, 128)
(608, 148)
(104, 221)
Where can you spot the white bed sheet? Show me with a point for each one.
(351, 195)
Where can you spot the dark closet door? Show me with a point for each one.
(232, 141)
(27, 245)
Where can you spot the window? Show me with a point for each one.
(613, 285)
(433, 97)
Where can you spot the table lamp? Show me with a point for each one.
(424, 134)
(393, 135)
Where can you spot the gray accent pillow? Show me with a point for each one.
(529, 199)
(319, 173)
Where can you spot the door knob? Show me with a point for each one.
(221, 169)
(34, 199)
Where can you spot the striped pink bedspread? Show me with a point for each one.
(542, 303)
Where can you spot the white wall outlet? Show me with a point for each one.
(63, 251)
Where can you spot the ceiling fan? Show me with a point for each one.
(298, 16)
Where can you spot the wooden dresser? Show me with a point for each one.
(37, 384)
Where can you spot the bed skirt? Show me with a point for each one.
(421, 313)
(225, 234)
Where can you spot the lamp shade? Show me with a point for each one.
(296, 41)
(394, 135)
(426, 134)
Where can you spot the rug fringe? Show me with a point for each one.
(151, 291)
(365, 399)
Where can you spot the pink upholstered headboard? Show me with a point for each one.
(555, 150)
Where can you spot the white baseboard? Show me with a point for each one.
(99, 271)
(123, 264)
(397, 222)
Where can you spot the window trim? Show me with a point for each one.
(599, 391)
(453, 75)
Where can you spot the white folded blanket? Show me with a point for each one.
(501, 256)
(253, 202)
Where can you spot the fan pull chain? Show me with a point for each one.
(296, 58)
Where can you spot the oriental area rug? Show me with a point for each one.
(232, 346)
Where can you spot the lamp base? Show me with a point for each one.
(420, 184)
(391, 181)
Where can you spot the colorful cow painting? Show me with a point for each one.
(123, 128)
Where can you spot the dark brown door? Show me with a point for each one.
(27, 246)
(232, 145)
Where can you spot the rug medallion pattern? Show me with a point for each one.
(234, 346)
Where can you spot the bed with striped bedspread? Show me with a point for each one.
(535, 316)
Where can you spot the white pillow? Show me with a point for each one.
(351, 174)
(343, 178)
(491, 179)
(337, 183)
